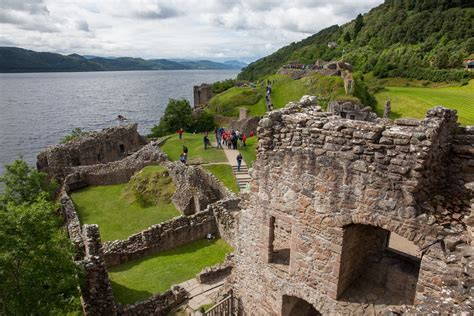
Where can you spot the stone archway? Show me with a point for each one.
(295, 306)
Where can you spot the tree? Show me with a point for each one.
(358, 24)
(178, 114)
(203, 122)
(36, 264)
(23, 184)
(37, 272)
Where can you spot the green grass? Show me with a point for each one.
(139, 279)
(284, 90)
(415, 101)
(173, 147)
(225, 175)
(249, 152)
(117, 213)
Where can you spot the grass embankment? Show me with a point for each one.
(225, 175)
(249, 152)
(118, 212)
(284, 90)
(415, 101)
(173, 147)
(139, 279)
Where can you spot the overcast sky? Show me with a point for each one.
(213, 29)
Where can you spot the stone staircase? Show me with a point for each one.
(242, 176)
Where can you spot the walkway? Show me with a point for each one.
(241, 176)
(201, 294)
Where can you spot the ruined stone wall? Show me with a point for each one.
(202, 94)
(195, 188)
(114, 172)
(159, 237)
(226, 214)
(97, 296)
(324, 173)
(158, 304)
(110, 144)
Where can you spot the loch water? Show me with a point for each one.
(38, 109)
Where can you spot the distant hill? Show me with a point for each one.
(14, 59)
(420, 39)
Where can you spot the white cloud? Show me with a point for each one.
(220, 29)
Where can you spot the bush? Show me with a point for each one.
(75, 134)
(203, 122)
(178, 114)
(221, 86)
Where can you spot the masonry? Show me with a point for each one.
(328, 195)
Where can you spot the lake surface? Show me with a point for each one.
(38, 109)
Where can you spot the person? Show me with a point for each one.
(206, 141)
(183, 157)
(218, 140)
(251, 134)
(239, 161)
(180, 133)
(244, 139)
(185, 149)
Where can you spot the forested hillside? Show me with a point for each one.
(420, 39)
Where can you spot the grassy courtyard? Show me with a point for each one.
(139, 279)
(117, 212)
(249, 152)
(173, 147)
(415, 101)
(225, 175)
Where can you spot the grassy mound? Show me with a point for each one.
(415, 101)
(173, 147)
(151, 186)
(225, 175)
(139, 279)
(116, 210)
(284, 90)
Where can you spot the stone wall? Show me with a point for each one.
(164, 236)
(202, 94)
(218, 271)
(324, 173)
(97, 296)
(159, 304)
(110, 144)
(246, 125)
(195, 188)
(352, 110)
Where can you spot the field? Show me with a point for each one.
(173, 147)
(415, 101)
(249, 152)
(225, 175)
(117, 214)
(139, 279)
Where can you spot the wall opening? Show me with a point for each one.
(295, 306)
(280, 236)
(122, 148)
(75, 161)
(372, 271)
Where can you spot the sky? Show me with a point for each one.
(194, 29)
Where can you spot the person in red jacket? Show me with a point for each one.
(244, 139)
(180, 133)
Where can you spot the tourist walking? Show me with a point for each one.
(206, 141)
(180, 133)
(244, 139)
(239, 161)
(183, 157)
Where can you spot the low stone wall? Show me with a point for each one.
(218, 271)
(164, 236)
(195, 188)
(114, 172)
(159, 304)
(71, 219)
(226, 214)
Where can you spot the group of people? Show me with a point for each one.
(231, 139)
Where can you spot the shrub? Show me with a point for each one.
(75, 134)
(178, 114)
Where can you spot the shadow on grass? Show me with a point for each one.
(125, 295)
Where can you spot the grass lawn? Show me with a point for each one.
(249, 152)
(415, 101)
(117, 214)
(139, 279)
(225, 174)
(173, 147)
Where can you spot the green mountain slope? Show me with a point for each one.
(421, 39)
(14, 59)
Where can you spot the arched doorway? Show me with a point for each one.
(295, 306)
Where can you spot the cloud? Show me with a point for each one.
(220, 29)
